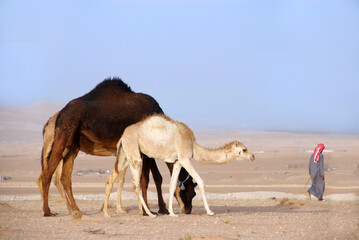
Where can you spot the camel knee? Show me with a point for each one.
(39, 184)
(201, 184)
(136, 189)
(108, 187)
(112, 178)
(57, 181)
(108, 182)
(45, 178)
(144, 181)
(158, 179)
(65, 181)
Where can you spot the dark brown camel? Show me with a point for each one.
(93, 124)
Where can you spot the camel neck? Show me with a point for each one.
(212, 156)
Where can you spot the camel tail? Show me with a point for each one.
(121, 160)
(42, 158)
(45, 160)
(49, 154)
(48, 134)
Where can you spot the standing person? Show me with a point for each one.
(316, 172)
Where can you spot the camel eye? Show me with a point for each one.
(245, 150)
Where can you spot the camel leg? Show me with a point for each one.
(145, 179)
(44, 152)
(39, 184)
(136, 174)
(48, 144)
(186, 164)
(173, 184)
(109, 184)
(60, 187)
(66, 125)
(120, 166)
(46, 177)
(177, 191)
(120, 174)
(147, 165)
(179, 199)
(157, 177)
(121, 181)
(68, 164)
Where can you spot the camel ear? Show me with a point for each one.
(195, 184)
(237, 144)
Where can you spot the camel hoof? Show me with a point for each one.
(210, 213)
(145, 214)
(106, 215)
(153, 215)
(76, 215)
(173, 215)
(50, 214)
(163, 211)
(121, 211)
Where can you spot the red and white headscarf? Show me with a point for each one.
(318, 149)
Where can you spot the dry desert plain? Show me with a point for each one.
(264, 199)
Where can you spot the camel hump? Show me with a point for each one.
(157, 127)
(115, 83)
(108, 89)
(158, 121)
(166, 125)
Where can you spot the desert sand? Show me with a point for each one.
(264, 199)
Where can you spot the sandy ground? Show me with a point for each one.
(234, 219)
(264, 199)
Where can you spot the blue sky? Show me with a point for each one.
(271, 65)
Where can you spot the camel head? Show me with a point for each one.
(239, 152)
(187, 192)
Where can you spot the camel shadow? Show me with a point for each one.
(277, 208)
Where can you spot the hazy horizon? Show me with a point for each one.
(257, 65)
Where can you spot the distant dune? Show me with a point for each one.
(25, 123)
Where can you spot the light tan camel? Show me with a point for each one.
(162, 138)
